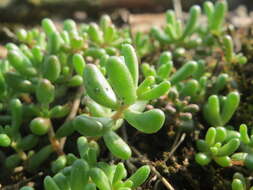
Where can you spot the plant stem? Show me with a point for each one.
(22, 182)
(144, 160)
(119, 112)
(175, 146)
(54, 142)
(73, 112)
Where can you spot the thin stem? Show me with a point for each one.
(21, 182)
(124, 133)
(73, 112)
(54, 142)
(144, 160)
(175, 141)
(176, 146)
(119, 112)
(9, 33)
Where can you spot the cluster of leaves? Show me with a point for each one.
(86, 172)
(88, 80)
(240, 182)
(37, 78)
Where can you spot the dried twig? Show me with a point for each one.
(16, 186)
(145, 160)
(178, 8)
(175, 146)
(54, 142)
(58, 144)
(9, 33)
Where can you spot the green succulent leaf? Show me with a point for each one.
(59, 163)
(40, 126)
(223, 161)
(76, 80)
(79, 174)
(208, 9)
(48, 26)
(190, 89)
(210, 136)
(79, 63)
(120, 173)
(69, 25)
(229, 48)
(165, 69)
(218, 16)
(121, 80)
(244, 134)
(140, 176)
(249, 161)
(108, 169)
(39, 157)
(230, 105)
(117, 146)
(28, 142)
(45, 92)
(157, 91)
(160, 35)
(27, 188)
(90, 186)
(50, 184)
(146, 122)
(170, 17)
(237, 185)
(98, 88)
(65, 129)
(61, 181)
(202, 145)
(145, 85)
(12, 161)
(229, 147)
(96, 109)
(92, 126)
(220, 82)
(21, 63)
(59, 111)
(5, 140)
(221, 134)
(95, 33)
(100, 179)
(212, 111)
(192, 21)
(51, 68)
(16, 114)
(185, 71)
(54, 43)
(131, 61)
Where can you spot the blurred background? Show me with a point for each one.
(140, 15)
(32, 11)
